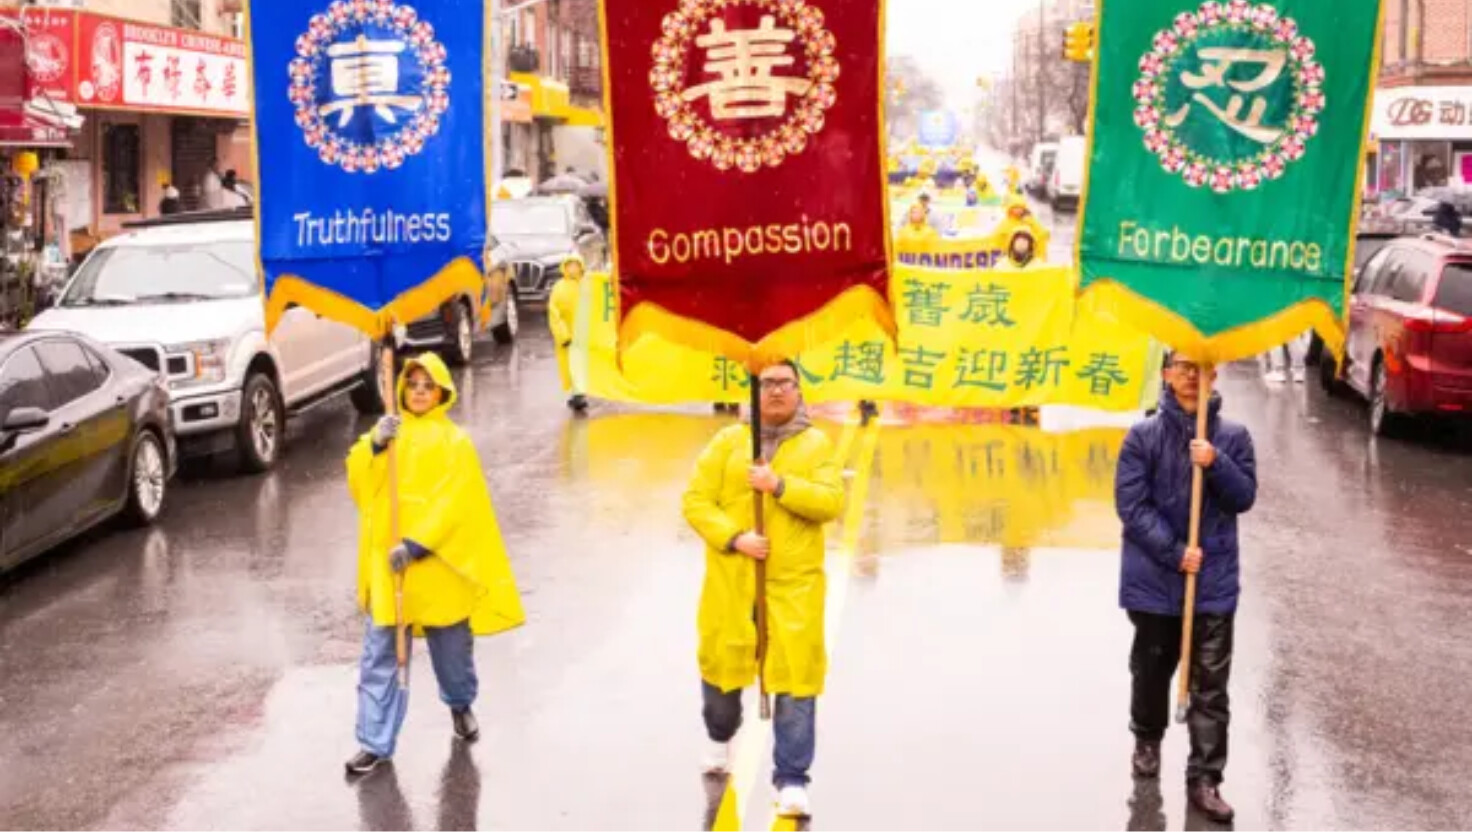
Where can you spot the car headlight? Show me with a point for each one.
(210, 361)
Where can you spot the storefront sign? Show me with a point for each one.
(97, 61)
(1423, 113)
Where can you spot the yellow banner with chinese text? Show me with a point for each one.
(967, 338)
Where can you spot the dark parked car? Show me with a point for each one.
(85, 434)
(461, 319)
(539, 233)
(1409, 344)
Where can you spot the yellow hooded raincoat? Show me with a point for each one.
(1010, 225)
(562, 316)
(718, 505)
(444, 506)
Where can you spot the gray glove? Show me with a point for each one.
(386, 430)
(404, 554)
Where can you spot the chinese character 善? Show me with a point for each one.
(745, 59)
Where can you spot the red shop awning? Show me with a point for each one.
(17, 129)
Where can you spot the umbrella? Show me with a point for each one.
(564, 183)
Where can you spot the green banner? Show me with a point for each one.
(1224, 170)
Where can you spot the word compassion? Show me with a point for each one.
(731, 244)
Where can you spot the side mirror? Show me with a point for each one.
(24, 420)
(586, 229)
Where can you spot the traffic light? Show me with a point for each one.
(1078, 42)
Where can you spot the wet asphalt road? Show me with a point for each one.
(201, 674)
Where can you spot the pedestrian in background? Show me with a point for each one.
(800, 485)
(562, 318)
(170, 204)
(457, 580)
(917, 230)
(1286, 363)
(1153, 497)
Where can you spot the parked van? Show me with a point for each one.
(1067, 183)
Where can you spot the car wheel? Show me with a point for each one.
(148, 480)
(367, 399)
(1383, 420)
(462, 336)
(262, 424)
(505, 332)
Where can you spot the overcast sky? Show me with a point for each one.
(956, 40)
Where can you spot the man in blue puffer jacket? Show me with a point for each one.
(1152, 493)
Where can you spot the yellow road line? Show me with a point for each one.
(752, 745)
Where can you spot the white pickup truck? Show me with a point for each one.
(182, 298)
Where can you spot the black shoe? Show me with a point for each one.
(868, 411)
(1146, 761)
(364, 762)
(1208, 801)
(578, 403)
(466, 728)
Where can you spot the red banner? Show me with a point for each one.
(748, 175)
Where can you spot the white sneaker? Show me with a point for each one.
(1275, 377)
(1300, 376)
(717, 758)
(792, 802)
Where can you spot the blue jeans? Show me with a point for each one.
(382, 705)
(794, 720)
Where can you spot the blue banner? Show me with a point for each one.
(369, 124)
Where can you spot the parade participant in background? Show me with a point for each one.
(1021, 249)
(1014, 179)
(562, 317)
(802, 490)
(1153, 497)
(170, 204)
(917, 229)
(457, 579)
(1020, 218)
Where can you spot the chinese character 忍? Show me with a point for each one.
(365, 73)
(1216, 62)
(745, 58)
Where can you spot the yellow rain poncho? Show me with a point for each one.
(718, 505)
(445, 507)
(562, 317)
(912, 235)
(1012, 224)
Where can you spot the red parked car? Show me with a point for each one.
(1409, 346)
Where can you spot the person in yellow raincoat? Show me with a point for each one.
(1020, 218)
(801, 490)
(457, 580)
(917, 229)
(1014, 179)
(562, 318)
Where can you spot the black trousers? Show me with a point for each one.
(1153, 662)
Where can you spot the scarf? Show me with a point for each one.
(774, 435)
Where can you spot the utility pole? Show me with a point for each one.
(498, 81)
(1042, 85)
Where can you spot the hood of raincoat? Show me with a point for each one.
(774, 435)
(435, 366)
(575, 258)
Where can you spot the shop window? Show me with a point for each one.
(122, 156)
